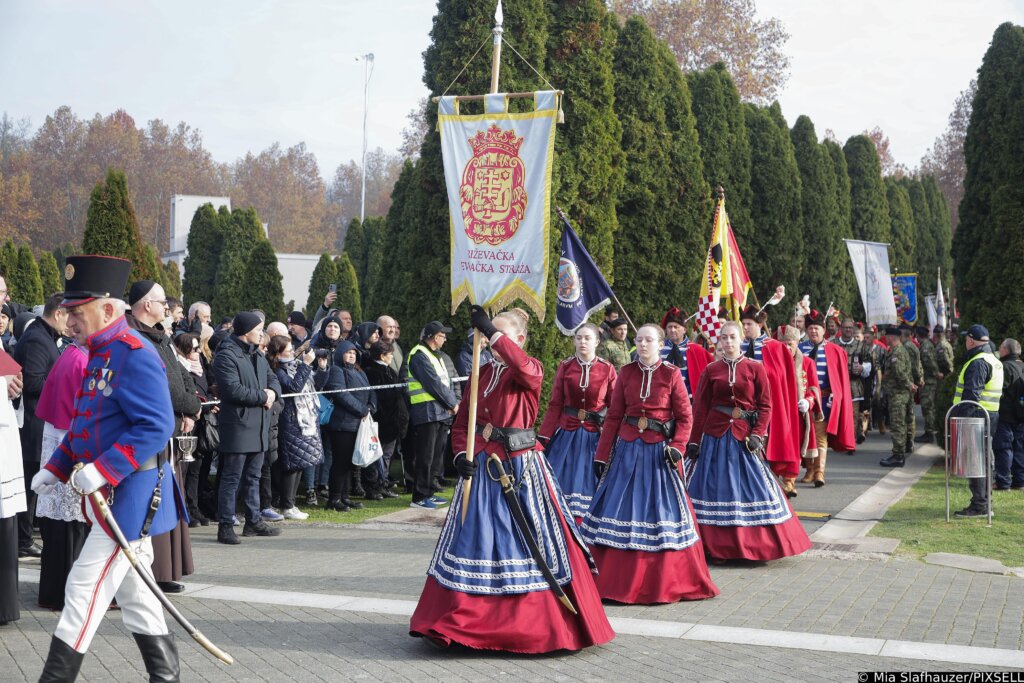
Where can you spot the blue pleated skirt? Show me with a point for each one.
(487, 554)
(730, 487)
(640, 503)
(571, 456)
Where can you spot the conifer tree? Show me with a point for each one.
(663, 205)
(901, 227)
(724, 148)
(262, 285)
(941, 232)
(348, 288)
(8, 260)
(587, 175)
(820, 212)
(869, 213)
(384, 278)
(376, 250)
(24, 284)
(324, 275)
(999, 308)
(355, 246)
(205, 241)
(924, 243)
(845, 290)
(775, 253)
(994, 157)
(422, 262)
(172, 280)
(150, 268)
(111, 227)
(242, 232)
(49, 276)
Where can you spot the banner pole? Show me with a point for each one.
(474, 376)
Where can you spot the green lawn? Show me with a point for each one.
(371, 509)
(919, 522)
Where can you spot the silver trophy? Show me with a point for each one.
(187, 446)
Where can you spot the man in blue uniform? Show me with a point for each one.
(123, 420)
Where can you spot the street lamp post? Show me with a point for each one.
(367, 72)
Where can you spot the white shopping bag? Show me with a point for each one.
(368, 450)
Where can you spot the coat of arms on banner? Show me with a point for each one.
(569, 289)
(497, 170)
(493, 192)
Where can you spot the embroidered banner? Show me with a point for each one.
(904, 288)
(497, 168)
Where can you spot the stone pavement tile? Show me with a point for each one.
(271, 643)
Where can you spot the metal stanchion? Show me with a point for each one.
(969, 450)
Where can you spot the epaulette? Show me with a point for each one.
(598, 359)
(570, 358)
(670, 365)
(131, 340)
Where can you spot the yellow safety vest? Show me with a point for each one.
(993, 389)
(417, 394)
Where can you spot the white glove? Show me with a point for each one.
(44, 482)
(803, 405)
(865, 369)
(88, 479)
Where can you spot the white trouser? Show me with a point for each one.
(101, 573)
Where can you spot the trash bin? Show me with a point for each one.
(968, 447)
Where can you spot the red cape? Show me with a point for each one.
(784, 428)
(840, 420)
(697, 358)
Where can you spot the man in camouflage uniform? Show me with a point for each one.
(861, 365)
(943, 352)
(899, 387)
(917, 375)
(930, 365)
(616, 349)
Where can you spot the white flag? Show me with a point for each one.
(940, 305)
(929, 302)
(871, 267)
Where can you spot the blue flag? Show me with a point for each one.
(904, 289)
(582, 289)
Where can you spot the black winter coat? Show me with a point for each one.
(36, 352)
(350, 406)
(392, 409)
(296, 449)
(242, 374)
(179, 380)
(421, 369)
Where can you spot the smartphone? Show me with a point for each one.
(333, 288)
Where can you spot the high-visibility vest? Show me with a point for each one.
(417, 394)
(993, 389)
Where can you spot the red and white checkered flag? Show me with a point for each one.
(707, 317)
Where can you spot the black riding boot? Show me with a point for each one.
(894, 460)
(62, 663)
(161, 657)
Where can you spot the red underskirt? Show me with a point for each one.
(788, 468)
(637, 577)
(528, 623)
(760, 543)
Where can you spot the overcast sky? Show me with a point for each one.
(249, 73)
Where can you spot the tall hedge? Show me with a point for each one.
(839, 265)
(348, 288)
(205, 242)
(324, 275)
(901, 226)
(50, 278)
(262, 285)
(664, 209)
(242, 232)
(24, 283)
(924, 240)
(775, 253)
(941, 232)
(172, 280)
(111, 227)
(724, 147)
(869, 211)
(820, 212)
(383, 277)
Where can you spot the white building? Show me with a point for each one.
(296, 269)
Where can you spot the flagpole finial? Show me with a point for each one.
(721, 193)
(499, 16)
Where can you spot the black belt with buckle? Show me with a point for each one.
(666, 428)
(512, 438)
(737, 413)
(586, 415)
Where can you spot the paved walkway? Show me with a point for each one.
(323, 602)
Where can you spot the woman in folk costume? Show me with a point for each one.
(641, 525)
(810, 399)
(59, 511)
(579, 400)
(741, 509)
(484, 588)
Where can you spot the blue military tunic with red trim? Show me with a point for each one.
(122, 420)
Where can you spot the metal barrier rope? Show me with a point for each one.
(402, 385)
